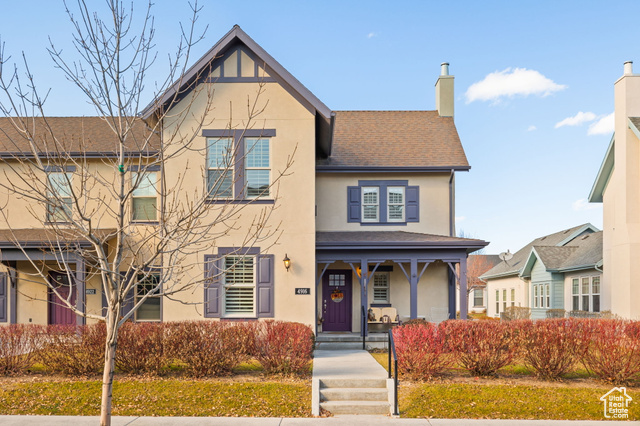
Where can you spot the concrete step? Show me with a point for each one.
(353, 383)
(356, 407)
(338, 346)
(354, 394)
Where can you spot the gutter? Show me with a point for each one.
(452, 227)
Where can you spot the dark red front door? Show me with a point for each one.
(59, 313)
(336, 300)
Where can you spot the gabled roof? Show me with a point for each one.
(272, 66)
(411, 140)
(516, 265)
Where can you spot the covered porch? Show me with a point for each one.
(412, 275)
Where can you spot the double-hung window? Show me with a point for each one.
(595, 294)
(59, 194)
(477, 297)
(497, 302)
(504, 299)
(585, 293)
(144, 197)
(381, 287)
(383, 202)
(220, 167)
(535, 296)
(395, 203)
(548, 287)
(257, 167)
(150, 308)
(575, 293)
(513, 297)
(370, 204)
(239, 286)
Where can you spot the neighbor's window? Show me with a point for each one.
(548, 286)
(497, 302)
(535, 296)
(595, 294)
(220, 167)
(144, 197)
(395, 203)
(239, 285)
(575, 293)
(370, 204)
(257, 167)
(585, 293)
(150, 308)
(504, 299)
(381, 287)
(513, 297)
(60, 197)
(478, 300)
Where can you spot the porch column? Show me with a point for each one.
(413, 289)
(364, 277)
(452, 294)
(464, 301)
(81, 293)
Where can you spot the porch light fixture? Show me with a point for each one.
(359, 271)
(287, 262)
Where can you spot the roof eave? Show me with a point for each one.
(604, 173)
(390, 169)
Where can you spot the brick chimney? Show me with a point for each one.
(444, 92)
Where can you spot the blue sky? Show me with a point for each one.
(534, 125)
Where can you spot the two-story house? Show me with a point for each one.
(361, 204)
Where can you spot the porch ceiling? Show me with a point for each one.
(358, 240)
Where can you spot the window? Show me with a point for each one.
(370, 203)
(381, 287)
(535, 296)
(585, 292)
(220, 167)
(144, 197)
(150, 308)
(497, 302)
(239, 285)
(595, 293)
(257, 169)
(395, 203)
(60, 197)
(513, 297)
(575, 293)
(478, 299)
(504, 299)
(548, 286)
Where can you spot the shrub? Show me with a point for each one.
(552, 347)
(415, 321)
(208, 348)
(74, 350)
(421, 350)
(18, 344)
(613, 353)
(516, 313)
(141, 348)
(284, 347)
(483, 347)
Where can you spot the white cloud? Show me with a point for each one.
(604, 126)
(531, 128)
(512, 82)
(371, 35)
(582, 204)
(577, 120)
(460, 218)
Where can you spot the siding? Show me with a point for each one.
(557, 291)
(539, 273)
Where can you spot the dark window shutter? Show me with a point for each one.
(127, 304)
(353, 203)
(3, 297)
(413, 204)
(264, 286)
(213, 288)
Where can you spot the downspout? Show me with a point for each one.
(452, 227)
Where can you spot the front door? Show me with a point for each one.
(336, 300)
(59, 313)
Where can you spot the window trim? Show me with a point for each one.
(137, 197)
(363, 205)
(475, 298)
(589, 295)
(253, 286)
(51, 211)
(135, 299)
(387, 287)
(355, 203)
(403, 204)
(264, 194)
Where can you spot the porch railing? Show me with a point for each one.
(392, 351)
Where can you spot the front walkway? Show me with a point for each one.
(346, 364)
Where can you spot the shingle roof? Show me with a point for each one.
(587, 253)
(419, 139)
(373, 239)
(517, 262)
(74, 135)
(635, 121)
(46, 237)
(554, 257)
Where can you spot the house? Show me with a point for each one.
(617, 187)
(559, 272)
(477, 265)
(363, 216)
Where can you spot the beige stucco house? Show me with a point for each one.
(364, 213)
(617, 187)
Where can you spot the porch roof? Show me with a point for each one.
(47, 238)
(358, 240)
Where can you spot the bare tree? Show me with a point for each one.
(89, 197)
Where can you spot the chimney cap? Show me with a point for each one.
(628, 68)
(444, 68)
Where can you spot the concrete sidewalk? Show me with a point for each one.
(274, 421)
(346, 364)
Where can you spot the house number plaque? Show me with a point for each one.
(303, 291)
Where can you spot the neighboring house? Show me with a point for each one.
(617, 187)
(477, 265)
(366, 209)
(560, 271)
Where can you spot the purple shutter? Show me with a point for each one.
(264, 286)
(353, 203)
(3, 297)
(127, 304)
(413, 204)
(213, 288)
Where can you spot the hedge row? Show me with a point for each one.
(200, 349)
(608, 349)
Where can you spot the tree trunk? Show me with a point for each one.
(109, 365)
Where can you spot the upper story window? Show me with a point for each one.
(257, 167)
(220, 167)
(392, 202)
(144, 198)
(59, 194)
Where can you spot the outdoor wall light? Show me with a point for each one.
(287, 262)
(359, 271)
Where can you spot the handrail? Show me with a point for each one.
(363, 328)
(392, 349)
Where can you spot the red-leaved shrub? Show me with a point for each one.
(552, 347)
(421, 351)
(613, 353)
(483, 347)
(284, 347)
(141, 348)
(74, 350)
(208, 348)
(18, 344)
